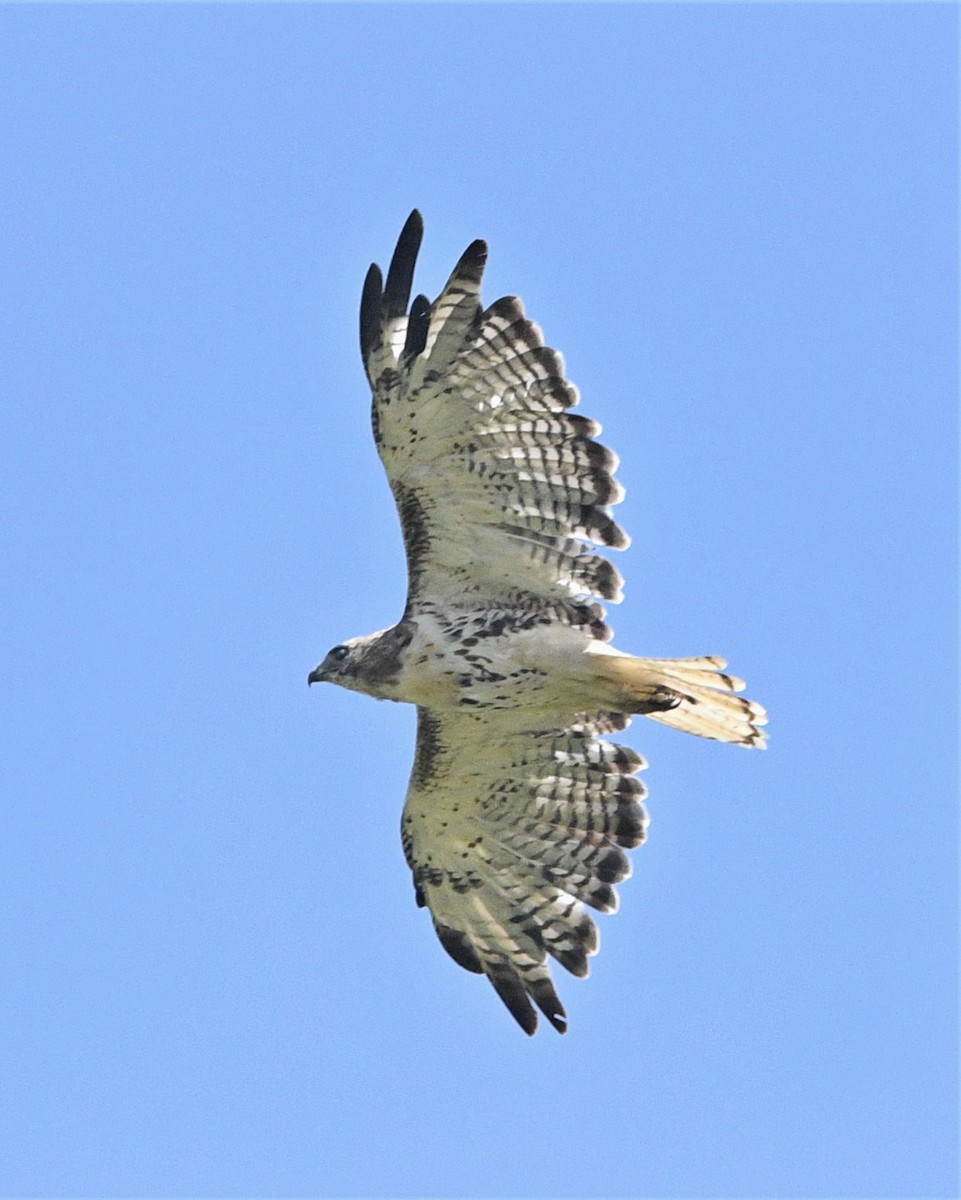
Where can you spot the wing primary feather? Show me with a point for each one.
(418, 324)
(508, 986)
(470, 265)
(400, 274)
(546, 1000)
(370, 316)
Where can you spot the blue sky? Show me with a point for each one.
(738, 224)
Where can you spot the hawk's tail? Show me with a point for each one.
(690, 694)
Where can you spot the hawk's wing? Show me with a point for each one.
(509, 834)
(500, 490)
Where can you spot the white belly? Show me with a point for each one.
(456, 664)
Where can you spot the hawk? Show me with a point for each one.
(518, 813)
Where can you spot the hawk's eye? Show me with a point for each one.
(339, 653)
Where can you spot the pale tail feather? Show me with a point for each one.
(690, 694)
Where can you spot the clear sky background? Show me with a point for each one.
(738, 224)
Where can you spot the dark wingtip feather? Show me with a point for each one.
(400, 274)
(370, 311)
(546, 1000)
(510, 989)
(470, 265)
(418, 323)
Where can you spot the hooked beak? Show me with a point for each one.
(316, 676)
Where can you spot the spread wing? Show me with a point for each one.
(510, 834)
(501, 491)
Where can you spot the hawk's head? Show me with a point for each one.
(368, 664)
(334, 664)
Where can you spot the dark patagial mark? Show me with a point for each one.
(428, 748)
(413, 523)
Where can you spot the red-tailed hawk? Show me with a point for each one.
(517, 814)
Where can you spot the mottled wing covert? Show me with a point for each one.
(510, 834)
(502, 492)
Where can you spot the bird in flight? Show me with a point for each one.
(518, 813)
